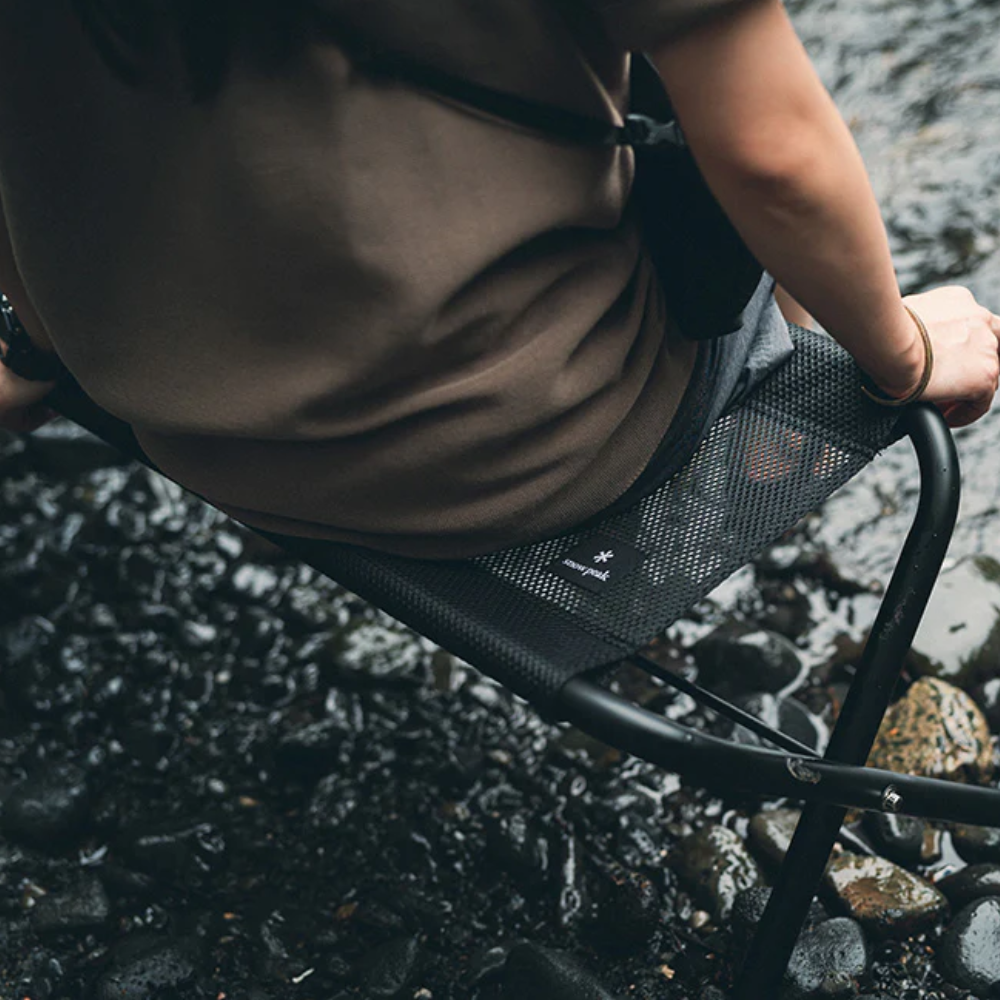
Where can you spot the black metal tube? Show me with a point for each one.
(878, 671)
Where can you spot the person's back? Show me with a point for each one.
(336, 305)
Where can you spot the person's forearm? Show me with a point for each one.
(782, 163)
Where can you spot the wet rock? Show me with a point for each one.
(749, 908)
(785, 714)
(517, 846)
(976, 844)
(770, 833)
(741, 659)
(387, 970)
(628, 911)
(970, 884)
(310, 752)
(936, 731)
(486, 964)
(84, 907)
(969, 955)
(828, 961)
(536, 973)
(717, 866)
(959, 636)
(885, 899)
(899, 838)
(50, 809)
(933, 846)
(144, 966)
(176, 852)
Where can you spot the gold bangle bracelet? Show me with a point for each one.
(876, 395)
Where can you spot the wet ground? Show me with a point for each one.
(222, 776)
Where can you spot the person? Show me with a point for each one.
(345, 307)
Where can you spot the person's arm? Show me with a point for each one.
(780, 159)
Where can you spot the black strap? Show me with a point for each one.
(640, 131)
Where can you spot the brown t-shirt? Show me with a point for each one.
(342, 308)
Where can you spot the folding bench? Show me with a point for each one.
(548, 619)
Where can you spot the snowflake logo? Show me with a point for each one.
(606, 556)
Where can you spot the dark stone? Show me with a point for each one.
(143, 967)
(50, 809)
(310, 752)
(84, 907)
(536, 973)
(176, 852)
(717, 866)
(770, 833)
(749, 908)
(970, 884)
(740, 659)
(969, 955)
(628, 911)
(976, 844)
(899, 838)
(787, 715)
(386, 971)
(486, 964)
(517, 847)
(827, 961)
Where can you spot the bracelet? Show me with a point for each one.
(20, 355)
(876, 395)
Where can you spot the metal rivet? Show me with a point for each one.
(892, 801)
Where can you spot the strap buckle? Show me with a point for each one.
(644, 132)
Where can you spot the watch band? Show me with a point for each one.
(19, 353)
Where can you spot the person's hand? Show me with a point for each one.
(966, 340)
(22, 406)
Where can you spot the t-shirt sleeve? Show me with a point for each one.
(642, 24)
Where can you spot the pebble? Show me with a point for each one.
(144, 966)
(976, 844)
(749, 908)
(899, 838)
(486, 963)
(629, 911)
(177, 852)
(770, 833)
(386, 971)
(827, 962)
(936, 731)
(536, 973)
(50, 809)
(970, 884)
(310, 751)
(83, 907)
(740, 659)
(517, 847)
(969, 955)
(717, 866)
(885, 899)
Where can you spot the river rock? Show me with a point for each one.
(749, 909)
(770, 833)
(717, 866)
(536, 973)
(827, 961)
(899, 838)
(976, 844)
(515, 844)
(885, 899)
(50, 809)
(936, 731)
(740, 659)
(146, 966)
(628, 911)
(83, 907)
(970, 884)
(969, 955)
(959, 636)
(385, 971)
(179, 851)
(787, 715)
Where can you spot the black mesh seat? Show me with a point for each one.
(543, 618)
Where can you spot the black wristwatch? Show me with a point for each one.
(19, 353)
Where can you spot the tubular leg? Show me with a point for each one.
(866, 703)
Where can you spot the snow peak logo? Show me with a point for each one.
(597, 563)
